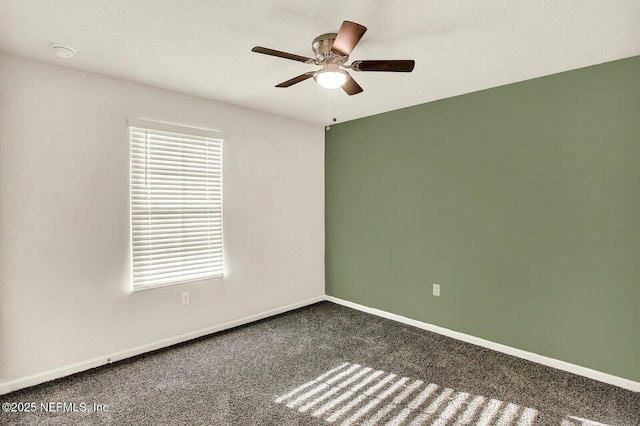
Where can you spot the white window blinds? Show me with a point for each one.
(176, 204)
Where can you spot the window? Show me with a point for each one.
(176, 204)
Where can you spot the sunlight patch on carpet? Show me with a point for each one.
(578, 421)
(351, 394)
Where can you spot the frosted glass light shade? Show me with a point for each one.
(331, 79)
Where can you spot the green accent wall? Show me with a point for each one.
(522, 202)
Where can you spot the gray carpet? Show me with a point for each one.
(325, 364)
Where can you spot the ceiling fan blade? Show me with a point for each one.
(390, 66)
(348, 36)
(298, 79)
(351, 87)
(279, 54)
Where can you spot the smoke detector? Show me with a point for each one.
(63, 51)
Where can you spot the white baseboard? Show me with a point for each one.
(36, 379)
(540, 359)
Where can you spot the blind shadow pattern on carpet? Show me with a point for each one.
(351, 394)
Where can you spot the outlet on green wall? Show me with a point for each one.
(522, 202)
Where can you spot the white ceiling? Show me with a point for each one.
(203, 47)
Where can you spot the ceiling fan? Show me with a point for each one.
(332, 52)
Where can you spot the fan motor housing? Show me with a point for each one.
(322, 45)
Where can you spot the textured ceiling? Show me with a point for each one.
(203, 47)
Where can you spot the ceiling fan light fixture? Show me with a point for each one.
(331, 77)
(332, 52)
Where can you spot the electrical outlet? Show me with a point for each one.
(185, 298)
(436, 289)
